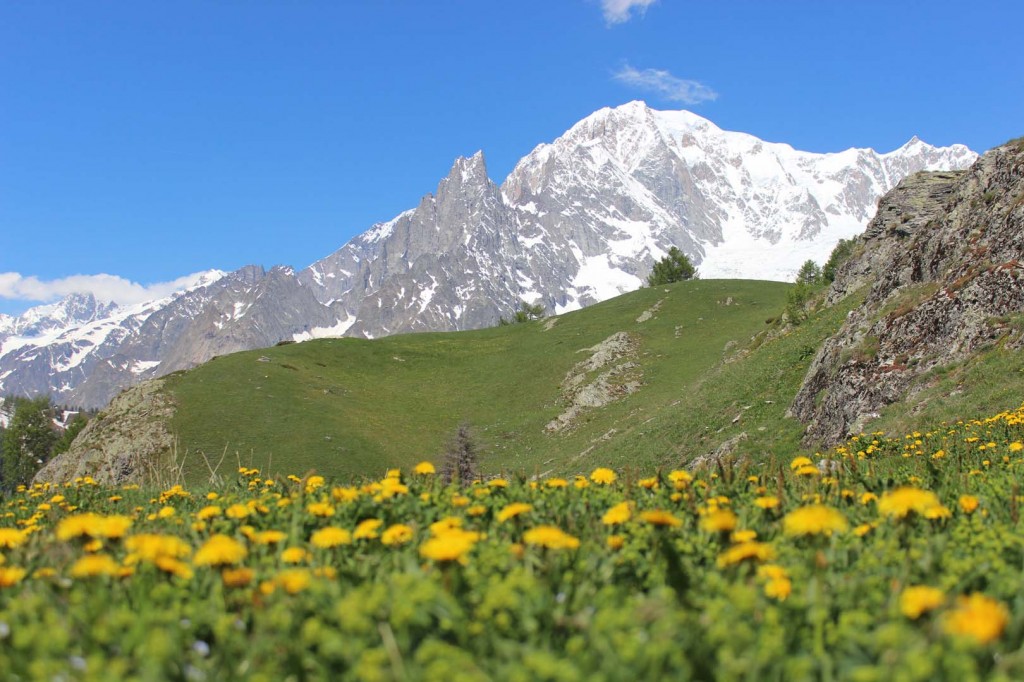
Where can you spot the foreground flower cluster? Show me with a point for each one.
(886, 558)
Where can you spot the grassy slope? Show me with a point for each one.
(350, 406)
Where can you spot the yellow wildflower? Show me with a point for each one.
(237, 577)
(741, 536)
(151, 546)
(767, 502)
(367, 529)
(269, 537)
(295, 555)
(294, 580)
(679, 478)
(237, 511)
(314, 483)
(424, 469)
(331, 536)
(756, 551)
(398, 534)
(93, 565)
(460, 501)
(550, 537)
(918, 599)
(968, 503)
(12, 537)
(799, 462)
(174, 566)
(220, 550)
(900, 502)
(513, 510)
(815, 519)
(620, 513)
(556, 483)
(978, 618)
(778, 588)
(11, 575)
(615, 542)
(321, 509)
(719, 521)
(603, 476)
(209, 512)
(450, 545)
(648, 483)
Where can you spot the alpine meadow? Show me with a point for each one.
(402, 342)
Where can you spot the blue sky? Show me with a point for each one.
(149, 140)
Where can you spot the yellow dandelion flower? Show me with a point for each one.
(497, 483)
(978, 618)
(397, 534)
(510, 511)
(10, 538)
(799, 462)
(618, 514)
(11, 575)
(220, 550)
(237, 511)
(771, 572)
(719, 521)
(208, 512)
(93, 565)
(648, 483)
(938, 513)
(746, 551)
(615, 542)
(660, 517)
(331, 536)
(550, 537)
(367, 529)
(294, 580)
(968, 503)
(863, 529)
(237, 577)
(919, 599)
(556, 483)
(603, 476)
(448, 523)
(295, 555)
(451, 545)
(174, 566)
(424, 469)
(477, 510)
(766, 502)
(344, 494)
(581, 482)
(868, 498)
(460, 501)
(321, 509)
(679, 478)
(1015, 446)
(900, 502)
(151, 546)
(778, 588)
(815, 519)
(808, 470)
(314, 483)
(269, 537)
(741, 536)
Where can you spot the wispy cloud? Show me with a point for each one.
(665, 84)
(15, 286)
(621, 11)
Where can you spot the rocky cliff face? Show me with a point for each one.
(942, 263)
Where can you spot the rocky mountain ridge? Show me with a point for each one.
(943, 265)
(578, 221)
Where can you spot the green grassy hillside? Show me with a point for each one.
(710, 372)
(351, 406)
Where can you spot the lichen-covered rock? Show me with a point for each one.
(942, 264)
(127, 443)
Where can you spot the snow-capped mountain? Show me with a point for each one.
(577, 221)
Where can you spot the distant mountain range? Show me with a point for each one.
(577, 221)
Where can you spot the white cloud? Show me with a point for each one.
(621, 11)
(666, 85)
(104, 287)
